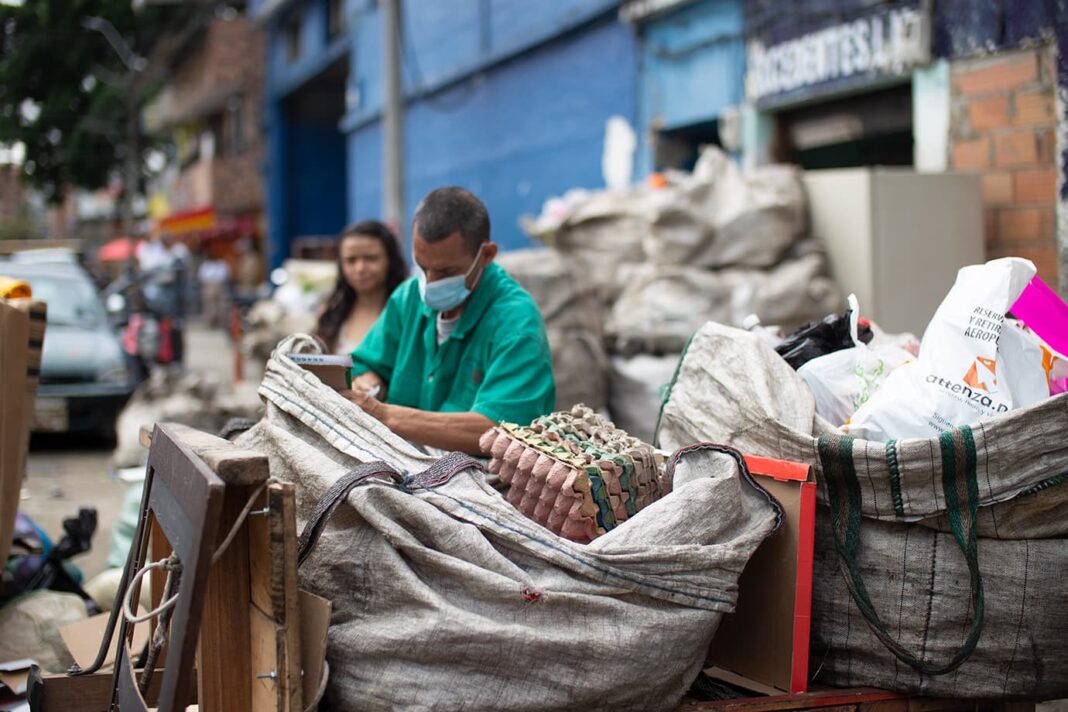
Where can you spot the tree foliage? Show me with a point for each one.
(65, 91)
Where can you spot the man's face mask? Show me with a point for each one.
(448, 293)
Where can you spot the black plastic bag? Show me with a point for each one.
(48, 571)
(819, 338)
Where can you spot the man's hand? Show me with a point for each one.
(370, 405)
(446, 431)
(370, 382)
(367, 402)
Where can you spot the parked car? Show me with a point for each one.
(84, 379)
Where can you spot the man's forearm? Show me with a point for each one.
(448, 431)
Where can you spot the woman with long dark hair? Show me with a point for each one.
(369, 267)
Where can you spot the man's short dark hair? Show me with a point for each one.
(450, 210)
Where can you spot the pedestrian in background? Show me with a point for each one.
(370, 266)
(214, 278)
(164, 264)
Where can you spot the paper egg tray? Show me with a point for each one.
(574, 472)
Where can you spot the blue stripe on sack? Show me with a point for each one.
(320, 420)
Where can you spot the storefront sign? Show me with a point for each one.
(886, 44)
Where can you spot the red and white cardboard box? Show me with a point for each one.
(763, 645)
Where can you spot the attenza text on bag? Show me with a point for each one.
(969, 393)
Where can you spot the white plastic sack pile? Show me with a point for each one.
(665, 304)
(602, 231)
(844, 380)
(446, 597)
(720, 216)
(972, 366)
(636, 390)
(572, 310)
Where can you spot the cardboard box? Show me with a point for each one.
(37, 312)
(334, 371)
(14, 426)
(83, 639)
(763, 645)
(314, 622)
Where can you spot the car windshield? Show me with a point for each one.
(72, 301)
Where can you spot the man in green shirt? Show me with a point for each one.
(461, 346)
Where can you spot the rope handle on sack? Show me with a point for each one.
(438, 473)
(961, 490)
(333, 498)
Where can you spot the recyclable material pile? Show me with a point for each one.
(650, 264)
(952, 452)
(574, 472)
(446, 561)
(976, 360)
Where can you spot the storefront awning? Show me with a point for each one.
(207, 224)
(189, 221)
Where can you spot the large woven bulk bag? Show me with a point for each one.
(939, 562)
(446, 597)
(572, 310)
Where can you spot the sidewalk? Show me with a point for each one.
(211, 351)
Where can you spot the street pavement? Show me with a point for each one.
(66, 471)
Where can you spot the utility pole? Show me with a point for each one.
(131, 177)
(132, 86)
(392, 117)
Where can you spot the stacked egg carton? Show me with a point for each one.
(574, 472)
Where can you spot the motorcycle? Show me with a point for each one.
(148, 337)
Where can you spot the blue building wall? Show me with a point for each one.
(692, 68)
(531, 128)
(305, 168)
(506, 97)
(317, 199)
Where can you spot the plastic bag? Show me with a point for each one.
(973, 365)
(844, 380)
(1054, 364)
(1046, 317)
(819, 338)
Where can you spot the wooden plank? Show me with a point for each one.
(284, 525)
(186, 499)
(860, 700)
(234, 465)
(160, 549)
(267, 656)
(225, 680)
(272, 551)
(266, 583)
(811, 700)
(85, 693)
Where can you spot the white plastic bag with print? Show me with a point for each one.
(971, 366)
(844, 380)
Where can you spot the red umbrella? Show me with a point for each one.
(118, 250)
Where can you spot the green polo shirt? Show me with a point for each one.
(496, 361)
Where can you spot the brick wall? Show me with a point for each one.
(230, 53)
(1003, 128)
